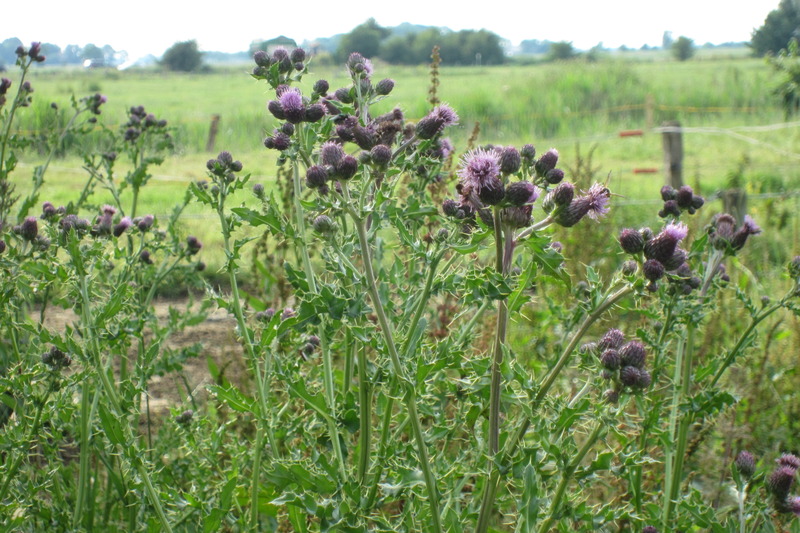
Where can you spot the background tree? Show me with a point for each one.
(183, 56)
(778, 29)
(683, 48)
(787, 64)
(365, 39)
(561, 51)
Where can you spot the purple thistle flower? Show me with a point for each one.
(663, 245)
(793, 506)
(359, 66)
(122, 226)
(436, 121)
(592, 204)
(780, 482)
(478, 169)
(748, 228)
(292, 105)
(789, 460)
(145, 257)
(649, 529)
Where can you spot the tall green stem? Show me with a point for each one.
(327, 362)
(410, 396)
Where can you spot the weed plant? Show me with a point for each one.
(434, 364)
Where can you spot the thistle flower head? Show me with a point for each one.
(331, 153)
(745, 464)
(291, 102)
(787, 459)
(436, 121)
(479, 168)
(662, 246)
(780, 482)
(631, 241)
(521, 193)
(613, 338)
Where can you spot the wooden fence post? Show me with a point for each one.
(734, 202)
(212, 133)
(672, 141)
(649, 112)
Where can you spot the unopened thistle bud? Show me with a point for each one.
(554, 176)
(653, 269)
(380, 155)
(631, 241)
(510, 160)
(633, 353)
(613, 338)
(610, 359)
(321, 87)
(745, 464)
(521, 192)
(324, 225)
(316, 176)
(384, 87)
(193, 245)
(314, 113)
(780, 482)
(29, 229)
(547, 162)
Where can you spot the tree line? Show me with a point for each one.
(466, 47)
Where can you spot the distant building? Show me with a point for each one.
(271, 45)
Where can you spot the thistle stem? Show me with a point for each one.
(566, 477)
(410, 396)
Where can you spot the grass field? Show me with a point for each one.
(734, 125)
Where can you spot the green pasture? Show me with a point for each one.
(735, 129)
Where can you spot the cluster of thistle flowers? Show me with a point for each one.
(623, 363)
(780, 482)
(281, 61)
(726, 236)
(486, 181)
(56, 359)
(25, 56)
(140, 121)
(662, 254)
(106, 224)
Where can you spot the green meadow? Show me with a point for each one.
(735, 130)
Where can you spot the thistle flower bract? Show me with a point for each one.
(780, 482)
(745, 464)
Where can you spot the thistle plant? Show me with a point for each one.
(432, 365)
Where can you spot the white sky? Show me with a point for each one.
(151, 26)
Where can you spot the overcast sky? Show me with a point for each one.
(151, 26)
